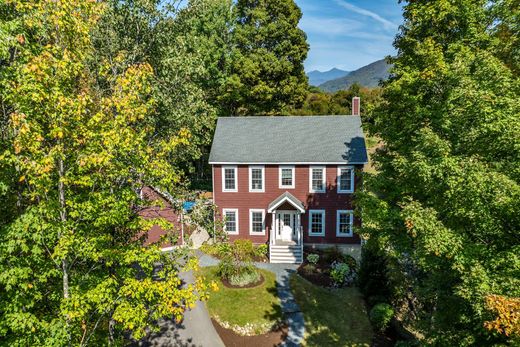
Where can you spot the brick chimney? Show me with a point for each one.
(356, 106)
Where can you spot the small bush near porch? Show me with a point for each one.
(333, 317)
(247, 311)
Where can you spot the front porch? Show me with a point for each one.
(286, 232)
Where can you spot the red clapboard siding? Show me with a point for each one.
(161, 209)
(243, 200)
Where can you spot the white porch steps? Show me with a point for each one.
(286, 254)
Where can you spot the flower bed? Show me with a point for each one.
(328, 268)
(258, 253)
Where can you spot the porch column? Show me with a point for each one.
(273, 228)
(299, 228)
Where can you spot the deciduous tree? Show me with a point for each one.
(73, 269)
(445, 205)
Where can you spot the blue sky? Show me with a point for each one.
(348, 34)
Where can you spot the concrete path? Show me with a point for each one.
(290, 308)
(196, 329)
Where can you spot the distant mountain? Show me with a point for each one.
(317, 77)
(367, 76)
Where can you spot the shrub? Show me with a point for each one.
(243, 249)
(235, 265)
(210, 249)
(223, 249)
(339, 273)
(381, 315)
(350, 261)
(262, 251)
(313, 258)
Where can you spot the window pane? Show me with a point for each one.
(231, 221)
(256, 179)
(317, 179)
(287, 177)
(229, 178)
(316, 223)
(345, 179)
(257, 222)
(344, 223)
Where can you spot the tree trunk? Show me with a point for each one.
(111, 331)
(63, 218)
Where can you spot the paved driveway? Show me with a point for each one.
(196, 329)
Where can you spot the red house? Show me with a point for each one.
(289, 181)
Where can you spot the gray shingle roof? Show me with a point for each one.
(289, 139)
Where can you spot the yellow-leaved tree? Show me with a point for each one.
(73, 157)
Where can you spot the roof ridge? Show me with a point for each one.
(291, 116)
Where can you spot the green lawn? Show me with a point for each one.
(257, 308)
(333, 317)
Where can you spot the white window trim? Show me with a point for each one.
(324, 179)
(251, 190)
(351, 179)
(309, 227)
(280, 185)
(234, 167)
(351, 213)
(224, 210)
(251, 210)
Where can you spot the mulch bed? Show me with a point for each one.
(232, 339)
(319, 277)
(250, 285)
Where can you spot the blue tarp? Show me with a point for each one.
(187, 206)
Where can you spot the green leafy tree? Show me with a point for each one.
(266, 73)
(73, 269)
(444, 203)
(318, 102)
(184, 47)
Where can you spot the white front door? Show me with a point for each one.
(286, 225)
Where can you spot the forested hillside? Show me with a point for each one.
(368, 76)
(318, 77)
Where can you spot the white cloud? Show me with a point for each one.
(386, 23)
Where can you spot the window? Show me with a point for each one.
(344, 221)
(257, 221)
(317, 222)
(345, 180)
(317, 179)
(229, 179)
(256, 178)
(286, 175)
(231, 220)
